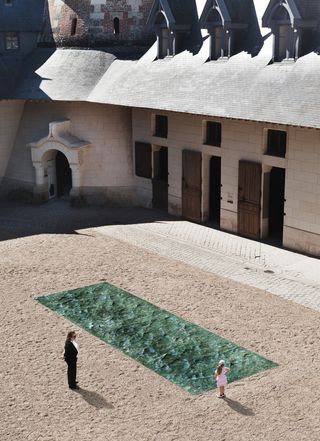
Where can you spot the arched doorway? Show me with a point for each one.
(57, 159)
(63, 175)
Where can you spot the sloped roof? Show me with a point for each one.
(239, 10)
(178, 12)
(184, 11)
(62, 74)
(309, 9)
(243, 87)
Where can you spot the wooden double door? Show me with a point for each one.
(249, 199)
(191, 185)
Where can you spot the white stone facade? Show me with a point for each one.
(241, 140)
(103, 172)
(106, 167)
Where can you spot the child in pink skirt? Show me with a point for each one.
(221, 378)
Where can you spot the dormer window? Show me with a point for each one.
(293, 33)
(217, 35)
(227, 29)
(283, 35)
(163, 34)
(172, 23)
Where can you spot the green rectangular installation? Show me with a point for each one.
(180, 351)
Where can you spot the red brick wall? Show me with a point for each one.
(95, 21)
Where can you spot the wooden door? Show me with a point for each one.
(191, 185)
(215, 190)
(160, 179)
(249, 199)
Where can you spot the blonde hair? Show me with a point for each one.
(219, 368)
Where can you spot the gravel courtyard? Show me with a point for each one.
(52, 248)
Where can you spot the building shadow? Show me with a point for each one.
(94, 399)
(238, 407)
(21, 219)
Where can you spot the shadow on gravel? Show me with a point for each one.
(238, 407)
(94, 399)
(20, 219)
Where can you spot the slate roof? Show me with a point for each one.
(22, 15)
(309, 9)
(184, 11)
(243, 87)
(62, 74)
(239, 10)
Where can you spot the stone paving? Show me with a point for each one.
(290, 275)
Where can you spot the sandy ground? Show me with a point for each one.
(119, 399)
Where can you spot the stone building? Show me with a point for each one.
(217, 121)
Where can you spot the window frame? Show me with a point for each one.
(161, 126)
(213, 133)
(276, 147)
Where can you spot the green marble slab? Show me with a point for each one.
(180, 351)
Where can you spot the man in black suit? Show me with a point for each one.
(70, 355)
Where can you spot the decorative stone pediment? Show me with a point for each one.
(59, 138)
(59, 132)
(44, 151)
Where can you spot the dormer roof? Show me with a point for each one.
(179, 14)
(302, 13)
(232, 12)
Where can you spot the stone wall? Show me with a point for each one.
(241, 140)
(10, 115)
(95, 22)
(107, 165)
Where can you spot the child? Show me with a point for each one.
(221, 378)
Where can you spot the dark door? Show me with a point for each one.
(276, 203)
(249, 195)
(191, 185)
(64, 176)
(160, 179)
(215, 190)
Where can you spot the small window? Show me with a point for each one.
(143, 161)
(161, 126)
(213, 133)
(116, 26)
(74, 26)
(277, 143)
(12, 41)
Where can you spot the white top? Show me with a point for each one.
(75, 344)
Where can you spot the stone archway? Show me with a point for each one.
(43, 155)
